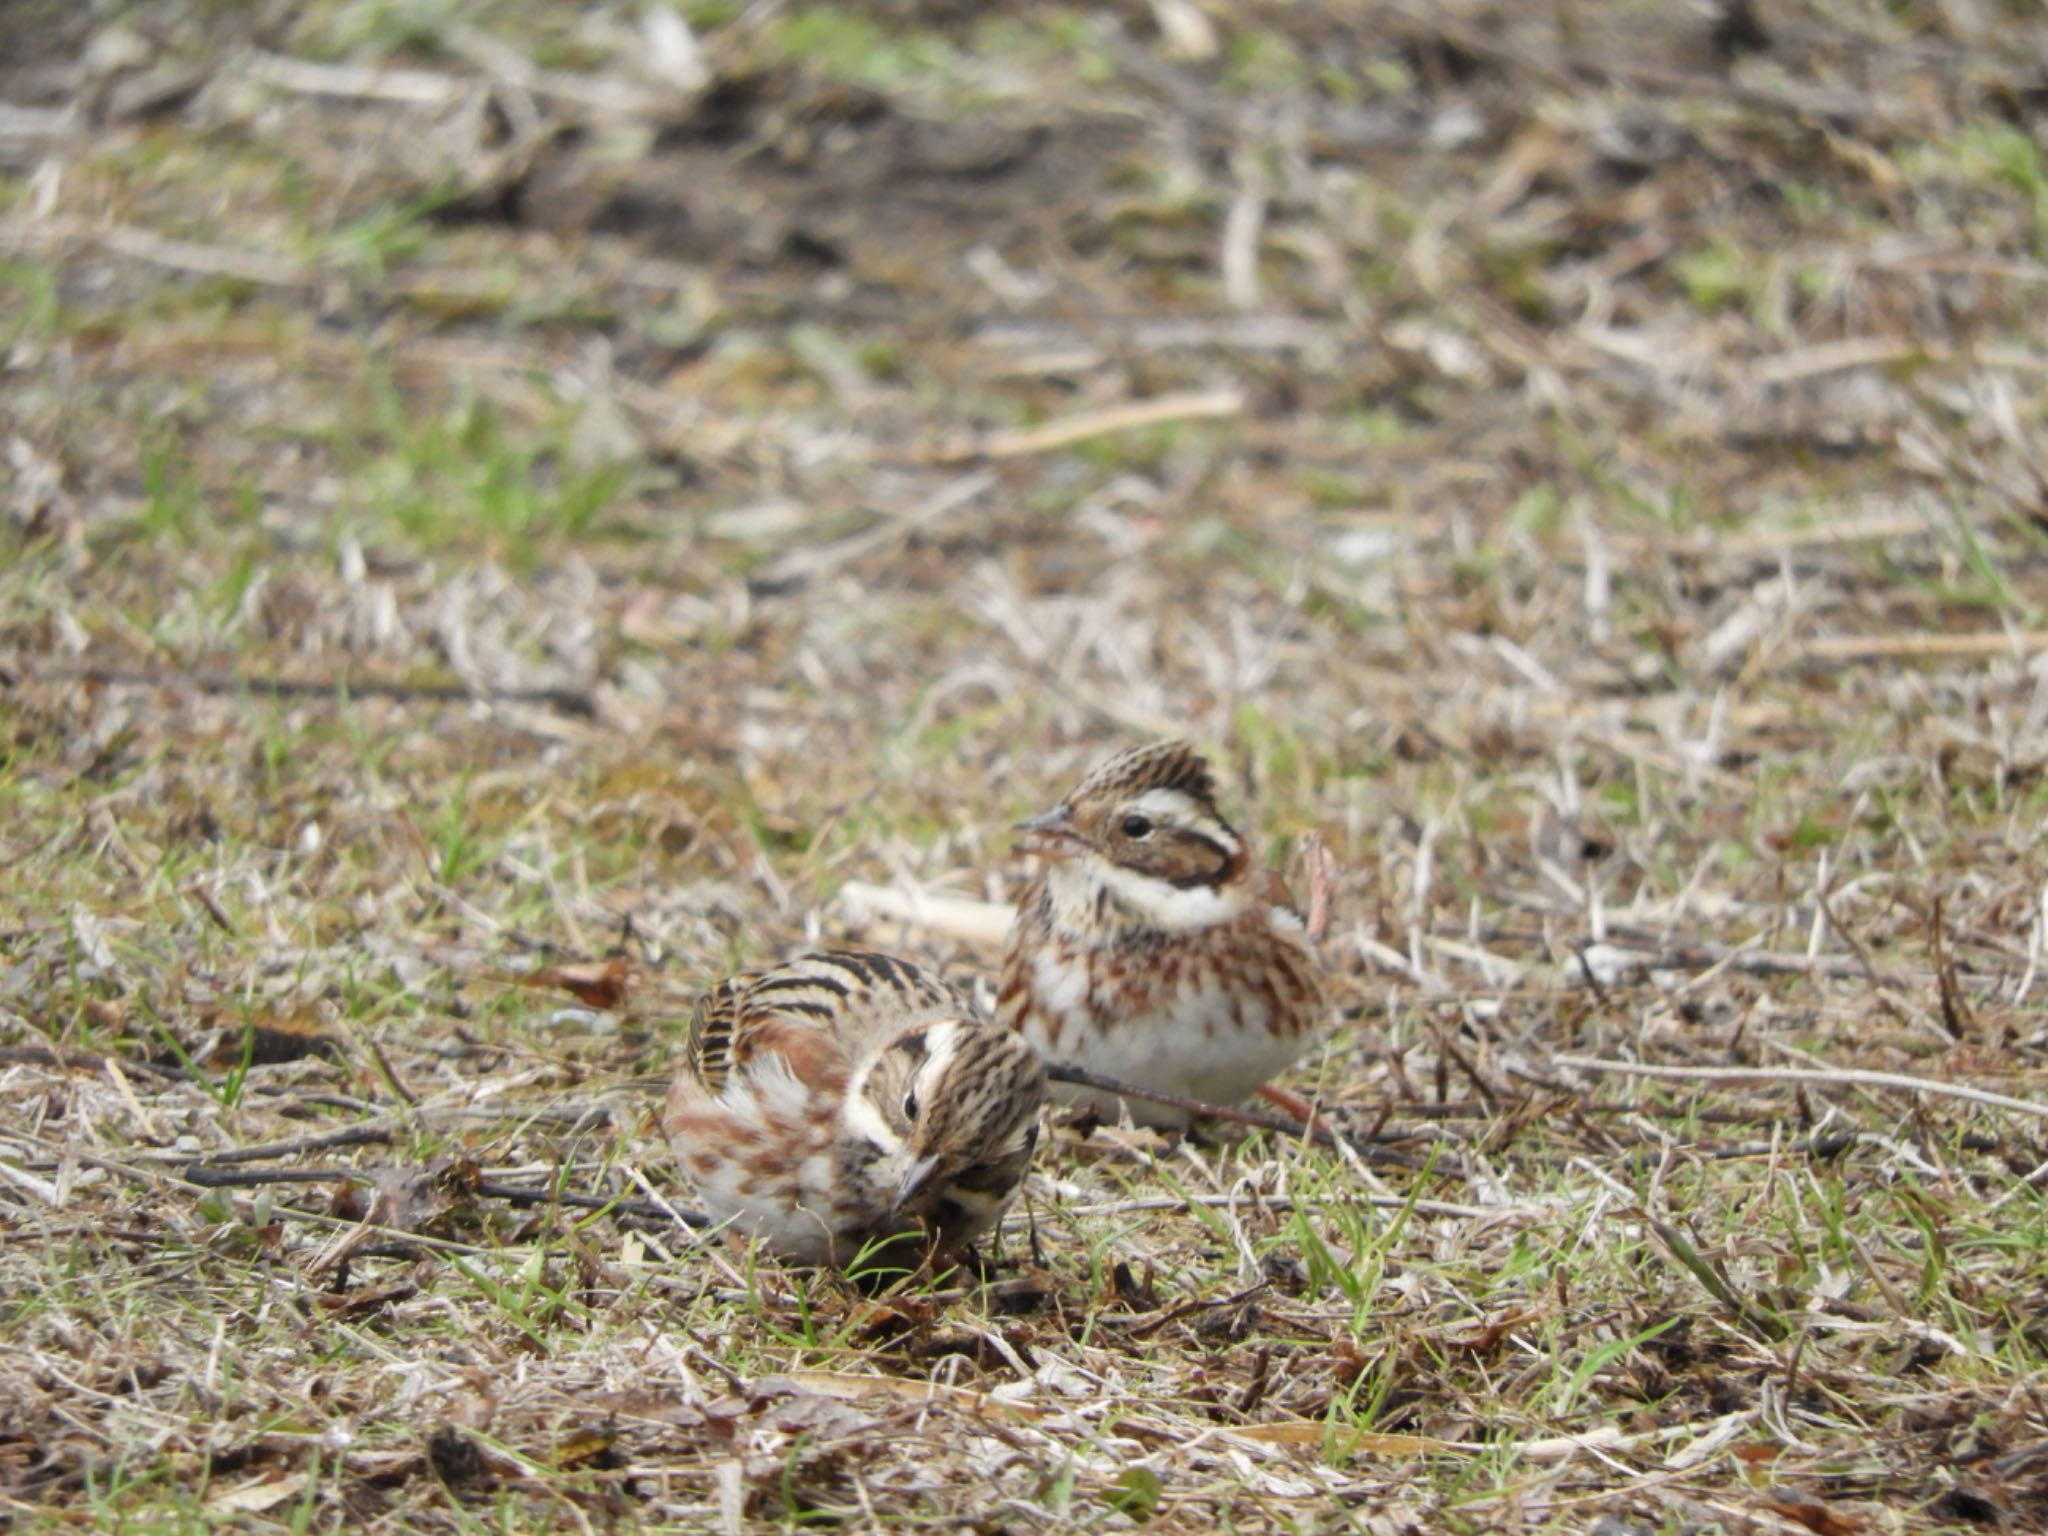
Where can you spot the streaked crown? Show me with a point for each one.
(1161, 765)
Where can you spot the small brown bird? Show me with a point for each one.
(1152, 949)
(847, 1101)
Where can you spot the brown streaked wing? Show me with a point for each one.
(714, 1024)
(849, 993)
(857, 985)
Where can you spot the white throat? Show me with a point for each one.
(1086, 890)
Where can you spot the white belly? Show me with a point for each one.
(1209, 1045)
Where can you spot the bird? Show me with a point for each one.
(1151, 948)
(848, 1107)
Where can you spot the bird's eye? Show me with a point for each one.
(1137, 826)
(910, 1105)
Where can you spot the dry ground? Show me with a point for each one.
(500, 486)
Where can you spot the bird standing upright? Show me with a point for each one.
(848, 1100)
(1152, 949)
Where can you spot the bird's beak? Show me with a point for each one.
(1051, 836)
(915, 1177)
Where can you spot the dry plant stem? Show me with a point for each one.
(85, 1061)
(1847, 1077)
(157, 250)
(1069, 430)
(1449, 1208)
(1322, 885)
(569, 701)
(210, 1175)
(1834, 649)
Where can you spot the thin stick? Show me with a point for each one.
(211, 1175)
(1069, 430)
(1297, 1203)
(570, 701)
(349, 1136)
(1965, 647)
(73, 1060)
(1843, 1078)
(143, 245)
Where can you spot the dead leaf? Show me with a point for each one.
(1487, 1336)
(256, 1495)
(366, 1299)
(589, 1445)
(1816, 1517)
(814, 1413)
(591, 984)
(398, 1200)
(1135, 1492)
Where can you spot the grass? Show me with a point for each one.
(416, 572)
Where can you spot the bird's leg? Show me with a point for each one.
(1291, 1104)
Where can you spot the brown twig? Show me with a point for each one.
(348, 1136)
(1142, 1327)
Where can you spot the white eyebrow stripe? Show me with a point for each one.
(863, 1118)
(942, 1043)
(1177, 808)
(1173, 805)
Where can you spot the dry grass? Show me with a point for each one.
(499, 492)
